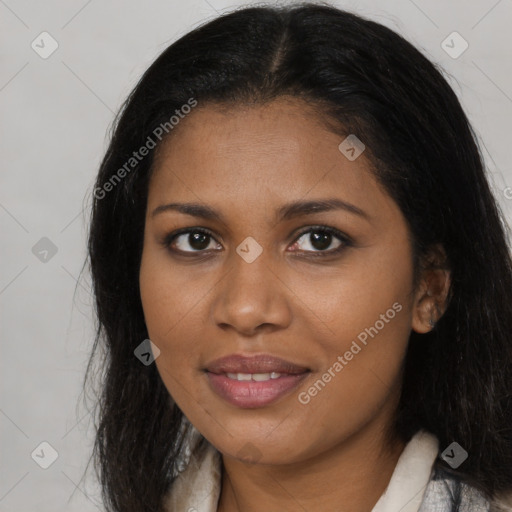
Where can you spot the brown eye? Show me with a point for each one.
(317, 240)
(320, 239)
(191, 240)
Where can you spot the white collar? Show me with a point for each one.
(411, 475)
(197, 488)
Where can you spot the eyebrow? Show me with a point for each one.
(285, 212)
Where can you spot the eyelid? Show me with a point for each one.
(327, 229)
(169, 238)
(345, 239)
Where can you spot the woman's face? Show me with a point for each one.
(317, 322)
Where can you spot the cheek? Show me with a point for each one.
(366, 313)
(369, 294)
(362, 371)
(171, 302)
(167, 295)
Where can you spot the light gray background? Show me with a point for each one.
(55, 114)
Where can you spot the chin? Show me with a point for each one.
(255, 448)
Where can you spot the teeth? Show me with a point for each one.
(258, 377)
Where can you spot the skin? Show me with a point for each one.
(246, 162)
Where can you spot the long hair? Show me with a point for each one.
(363, 78)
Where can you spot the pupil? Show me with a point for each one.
(321, 241)
(198, 240)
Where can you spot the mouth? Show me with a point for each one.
(256, 377)
(254, 381)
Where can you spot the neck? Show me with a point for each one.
(348, 477)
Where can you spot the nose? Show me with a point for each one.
(252, 297)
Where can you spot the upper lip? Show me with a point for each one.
(262, 363)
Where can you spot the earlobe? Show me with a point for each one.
(432, 297)
(427, 312)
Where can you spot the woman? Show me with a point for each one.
(302, 279)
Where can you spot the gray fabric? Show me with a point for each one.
(444, 493)
(441, 496)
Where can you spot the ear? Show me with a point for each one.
(431, 297)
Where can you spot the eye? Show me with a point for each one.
(321, 238)
(199, 239)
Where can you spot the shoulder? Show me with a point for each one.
(197, 484)
(447, 493)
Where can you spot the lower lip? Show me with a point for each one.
(252, 394)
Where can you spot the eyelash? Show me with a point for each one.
(345, 240)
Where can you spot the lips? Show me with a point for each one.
(257, 364)
(256, 381)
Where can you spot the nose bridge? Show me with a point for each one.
(250, 284)
(252, 267)
(251, 294)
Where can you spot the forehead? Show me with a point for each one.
(278, 151)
